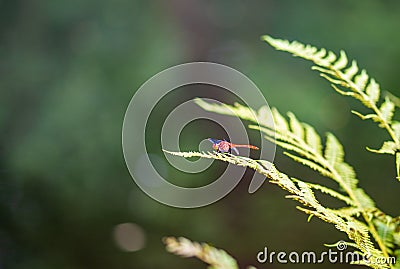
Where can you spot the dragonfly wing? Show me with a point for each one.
(235, 150)
(214, 141)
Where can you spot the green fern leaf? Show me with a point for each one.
(388, 147)
(350, 72)
(360, 87)
(313, 139)
(320, 54)
(306, 52)
(334, 150)
(280, 122)
(347, 174)
(264, 116)
(396, 128)
(342, 61)
(330, 58)
(296, 126)
(373, 91)
(361, 80)
(387, 110)
(365, 201)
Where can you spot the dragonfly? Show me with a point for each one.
(225, 146)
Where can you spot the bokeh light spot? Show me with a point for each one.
(129, 237)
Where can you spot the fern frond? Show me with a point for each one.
(346, 175)
(330, 163)
(335, 70)
(298, 137)
(281, 125)
(302, 192)
(313, 139)
(334, 150)
(358, 84)
(216, 258)
(264, 115)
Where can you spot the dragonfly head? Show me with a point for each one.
(215, 143)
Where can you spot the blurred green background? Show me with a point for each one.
(68, 70)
